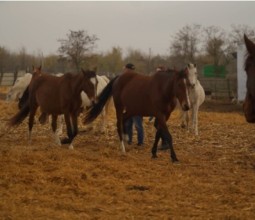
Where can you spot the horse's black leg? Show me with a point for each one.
(127, 126)
(68, 129)
(74, 129)
(54, 128)
(43, 118)
(120, 128)
(168, 137)
(155, 145)
(31, 120)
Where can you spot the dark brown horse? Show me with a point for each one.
(249, 102)
(56, 96)
(136, 94)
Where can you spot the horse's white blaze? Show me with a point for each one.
(94, 82)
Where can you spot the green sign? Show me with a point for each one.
(214, 71)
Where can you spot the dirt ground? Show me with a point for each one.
(215, 178)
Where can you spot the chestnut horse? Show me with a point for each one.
(56, 96)
(136, 94)
(249, 102)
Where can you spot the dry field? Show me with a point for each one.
(215, 178)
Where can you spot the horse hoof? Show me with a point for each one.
(154, 156)
(70, 147)
(65, 141)
(175, 160)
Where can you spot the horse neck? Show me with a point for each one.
(77, 82)
(170, 89)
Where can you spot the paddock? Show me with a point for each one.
(215, 178)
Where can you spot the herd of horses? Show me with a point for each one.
(133, 94)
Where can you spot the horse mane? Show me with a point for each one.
(250, 46)
(249, 60)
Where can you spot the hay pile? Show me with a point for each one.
(214, 179)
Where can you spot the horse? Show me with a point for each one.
(143, 95)
(197, 97)
(56, 96)
(20, 87)
(249, 102)
(102, 82)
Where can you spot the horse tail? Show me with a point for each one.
(96, 109)
(24, 98)
(21, 115)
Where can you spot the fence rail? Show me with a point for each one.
(8, 79)
(218, 88)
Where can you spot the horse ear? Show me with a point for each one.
(188, 65)
(195, 65)
(40, 67)
(249, 45)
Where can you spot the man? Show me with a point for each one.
(135, 120)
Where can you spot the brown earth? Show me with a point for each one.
(215, 178)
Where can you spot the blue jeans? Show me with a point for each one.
(138, 122)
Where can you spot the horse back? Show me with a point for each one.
(134, 92)
(48, 92)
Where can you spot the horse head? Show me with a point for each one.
(192, 74)
(36, 71)
(182, 82)
(19, 87)
(249, 102)
(89, 85)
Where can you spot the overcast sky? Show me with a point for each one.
(139, 25)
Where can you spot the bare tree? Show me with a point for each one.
(185, 43)
(215, 43)
(76, 46)
(235, 37)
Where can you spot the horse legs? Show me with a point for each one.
(60, 125)
(185, 119)
(195, 118)
(155, 145)
(54, 128)
(74, 129)
(120, 130)
(31, 121)
(163, 128)
(68, 129)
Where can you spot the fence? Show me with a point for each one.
(8, 79)
(220, 88)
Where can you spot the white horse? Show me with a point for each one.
(196, 96)
(102, 82)
(17, 90)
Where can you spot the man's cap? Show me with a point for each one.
(130, 66)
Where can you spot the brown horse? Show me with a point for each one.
(136, 94)
(56, 96)
(249, 102)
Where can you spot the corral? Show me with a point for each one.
(214, 179)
